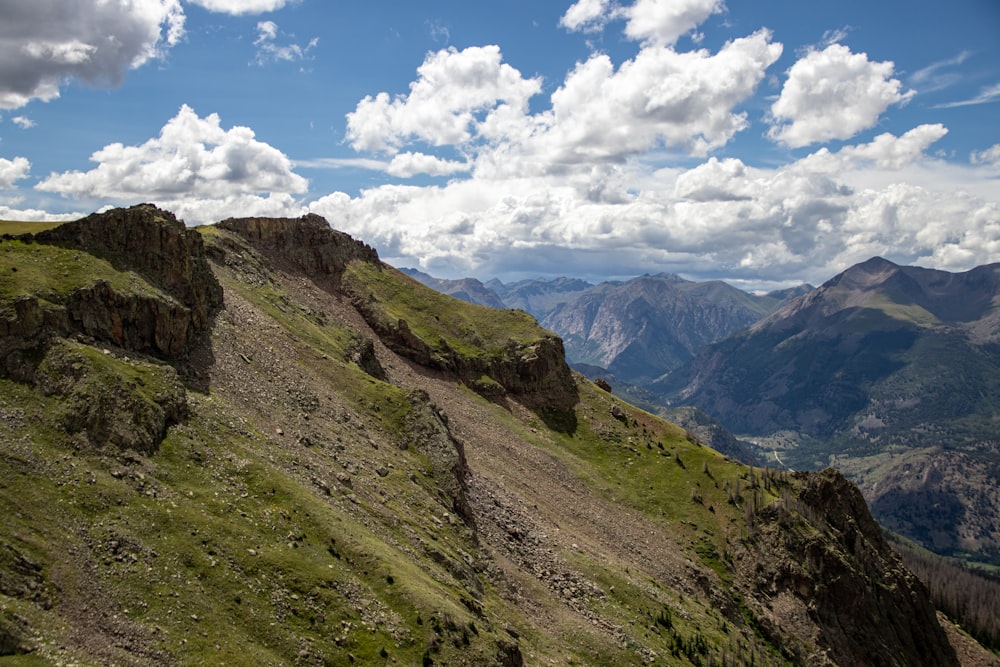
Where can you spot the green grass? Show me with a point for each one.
(52, 273)
(442, 321)
(911, 313)
(17, 228)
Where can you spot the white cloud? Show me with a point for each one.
(833, 94)
(663, 22)
(12, 171)
(989, 156)
(23, 122)
(45, 42)
(886, 151)
(268, 50)
(936, 75)
(680, 100)
(239, 7)
(445, 104)
(652, 22)
(586, 15)
(194, 165)
(804, 221)
(411, 164)
(36, 215)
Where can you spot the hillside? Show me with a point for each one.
(254, 443)
(890, 373)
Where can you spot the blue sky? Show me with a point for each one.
(764, 143)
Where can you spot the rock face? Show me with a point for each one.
(307, 243)
(153, 244)
(156, 245)
(868, 609)
(535, 371)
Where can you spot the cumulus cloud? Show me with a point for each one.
(661, 97)
(445, 104)
(8, 212)
(269, 50)
(586, 15)
(410, 164)
(803, 221)
(239, 7)
(193, 162)
(833, 94)
(12, 171)
(663, 22)
(23, 122)
(45, 42)
(652, 22)
(474, 103)
(886, 151)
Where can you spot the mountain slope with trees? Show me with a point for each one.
(890, 373)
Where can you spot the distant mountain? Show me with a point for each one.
(647, 326)
(636, 330)
(891, 373)
(540, 297)
(469, 290)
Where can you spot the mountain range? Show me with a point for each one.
(255, 443)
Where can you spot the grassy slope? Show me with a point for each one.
(241, 543)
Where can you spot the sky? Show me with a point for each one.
(762, 142)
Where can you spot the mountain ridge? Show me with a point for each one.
(338, 488)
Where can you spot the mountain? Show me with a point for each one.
(467, 289)
(539, 297)
(255, 443)
(891, 373)
(636, 330)
(640, 329)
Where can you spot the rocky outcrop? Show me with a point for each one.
(535, 371)
(819, 559)
(156, 245)
(109, 401)
(142, 239)
(308, 243)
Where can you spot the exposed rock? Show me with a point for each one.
(143, 239)
(156, 245)
(821, 556)
(307, 243)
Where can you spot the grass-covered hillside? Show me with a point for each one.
(334, 466)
